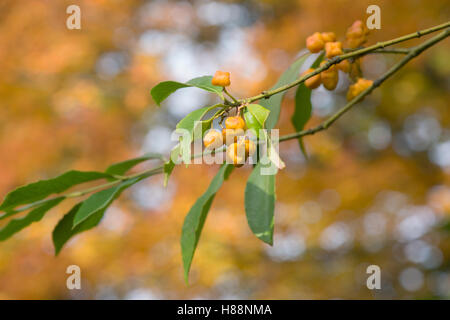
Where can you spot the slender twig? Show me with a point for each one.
(384, 51)
(143, 174)
(229, 94)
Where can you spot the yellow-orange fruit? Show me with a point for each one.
(231, 135)
(235, 122)
(357, 34)
(315, 43)
(213, 139)
(333, 49)
(358, 87)
(357, 29)
(312, 82)
(329, 77)
(328, 36)
(250, 147)
(344, 66)
(356, 42)
(236, 154)
(221, 79)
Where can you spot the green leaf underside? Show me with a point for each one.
(187, 123)
(122, 167)
(274, 102)
(255, 117)
(260, 204)
(195, 219)
(34, 215)
(39, 190)
(302, 111)
(100, 201)
(64, 231)
(164, 89)
(303, 106)
(87, 214)
(170, 165)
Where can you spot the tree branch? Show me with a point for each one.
(411, 53)
(337, 59)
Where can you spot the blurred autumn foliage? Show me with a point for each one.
(376, 189)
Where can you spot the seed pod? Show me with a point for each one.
(356, 42)
(358, 87)
(329, 77)
(344, 66)
(315, 43)
(356, 30)
(221, 79)
(235, 122)
(213, 139)
(328, 36)
(312, 82)
(333, 49)
(230, 136)
(357, 34)
(236, 154)
(249, 146)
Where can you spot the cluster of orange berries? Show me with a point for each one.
(356, 35)
(239, 147)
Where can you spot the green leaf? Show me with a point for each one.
(122, 167)
(274, 102)
(39, 190)
(183, 148)
(64, 230)
(195, 219)
(255, 117)
(164, 89)
(101, 200)
(87, 214)
(302, 112)
(34, 215)
(260, 204)
(170, 164)
(303, 106)
(188, 122)
(259, 112)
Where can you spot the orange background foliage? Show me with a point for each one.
(375, 190)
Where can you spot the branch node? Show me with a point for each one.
(336, 59)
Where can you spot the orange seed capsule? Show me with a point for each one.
(236, 154)
(329, 77)
(213, 139)
(356, 42)
(357, 34)
(221, 79)
(344, 66)
(357, 29)
(231, 135)
(358, 87)
(315, 43)
(249, 146)
(333, 49)
(328, 36)
(312, 82)
(235, 122)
